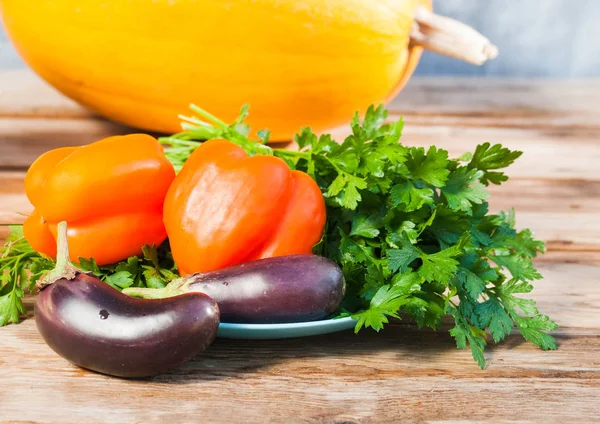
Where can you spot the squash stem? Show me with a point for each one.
(450, 37)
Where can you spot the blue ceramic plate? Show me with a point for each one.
(284, 331)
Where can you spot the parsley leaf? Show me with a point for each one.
(119, 280)
(491, 314)
(20, 268)
(440, 266)
(400, 259)
(411, 197)
(366, 225)
(463, 332)
(11, 306)
(488, 157)
(384, 304)
(430, 168)
(533, 325)
(463, 189)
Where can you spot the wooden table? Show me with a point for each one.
(402, 374)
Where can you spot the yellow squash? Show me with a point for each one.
(297, 62)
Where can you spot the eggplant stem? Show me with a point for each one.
(174, 288)
(64, 267)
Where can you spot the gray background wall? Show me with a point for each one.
(557, 38)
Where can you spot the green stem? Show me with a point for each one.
(180, 149)
(178, 141)
(201, 133)
(291, 153)
(6, 249)
(207, 115)
(148, 293)
(174, 288)
(337, 168)
(64, 269)
(196, 121)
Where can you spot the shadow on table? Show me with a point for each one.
(401, 349)
(234, 358)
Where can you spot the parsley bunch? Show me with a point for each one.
(410, 228)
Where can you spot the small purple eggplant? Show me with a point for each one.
(96, 327)
(282, 289)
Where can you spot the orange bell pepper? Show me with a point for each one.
(225, 208)
(110, 192)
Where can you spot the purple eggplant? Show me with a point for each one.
(96, 327)
(283, 289)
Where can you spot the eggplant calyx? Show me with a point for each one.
(174, 288)
(64, 268)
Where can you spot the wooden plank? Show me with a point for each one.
(24, 94)
(547, 105)
(570, 257)
(516, 102)
(546, 155)
(562, 212)
(548, 120)
(4, 231)
(569, 293)
(12, 182)
(22, 140)
(398, 375)
(558, 195)
(14, 206)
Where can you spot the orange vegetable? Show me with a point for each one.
(298, 63)
(225, 208)
(110, 192)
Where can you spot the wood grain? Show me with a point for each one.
(399, 375)
(402, 374)
(543, 105)
(23, 139)
(24, 95)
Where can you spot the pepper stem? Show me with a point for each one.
(449, 37)
(64, 268)
(174, 288)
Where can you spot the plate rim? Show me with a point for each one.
(287, 325)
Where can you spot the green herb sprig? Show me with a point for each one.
(20, 268)
(410, 227)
